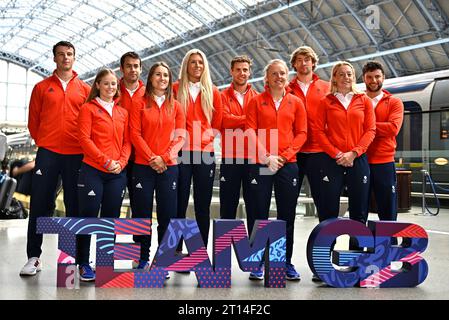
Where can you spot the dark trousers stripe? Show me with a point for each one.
(234, 176)
(199, 167)
(383, 185)
(286, 190)
(50, 167)
(310, 164)
(98, 192)
(147, 182)
(334, 178)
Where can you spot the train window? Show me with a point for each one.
(440, 95)
(444, 124)
(410, 135)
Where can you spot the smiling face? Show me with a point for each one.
(195, 67)
(107, 86)
(276, 76)
(344, 78)
(374, 80)
(64, 58)
(240, 73)
(160, 80)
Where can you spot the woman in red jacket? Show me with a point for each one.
(201, 102)
(279, 120)
(345, 126)
(103, 136)
(157, 133)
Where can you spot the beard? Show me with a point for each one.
(377, 88)
(305, 72)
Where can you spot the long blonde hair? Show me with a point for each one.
(335, 68)
(207, 96)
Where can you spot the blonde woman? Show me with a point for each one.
(279, 113)
(345, 125)
(201, 102)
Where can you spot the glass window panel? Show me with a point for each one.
(28, 97)
(2, 94)
(165, 20)
(3, 69)
(2, 113)
(29, 53)
(15, 114)
(16, 74)
(33, 78)
(16, 95)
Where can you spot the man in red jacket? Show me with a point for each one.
(389, 113)
(234, 168)
(52, 121)
(132, 89)
(310, 89)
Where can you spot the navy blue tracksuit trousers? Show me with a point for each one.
(309, 164)
(98, 191)
(50, 166)
(146, 182)
(286, 190)
(199, 166)
(234, 176)
(383, 184)
(334, 178)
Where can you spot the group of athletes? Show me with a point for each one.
(158, 138)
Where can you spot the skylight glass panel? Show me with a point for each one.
(120, 47)
(163, 30)
(33, 78)
(31, 54)
(115, 25)
(3, 69)
(137, 39)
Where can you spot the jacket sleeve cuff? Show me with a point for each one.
(107, 164)
(166, 158)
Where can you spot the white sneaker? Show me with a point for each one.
(33, 266)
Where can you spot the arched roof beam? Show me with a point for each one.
(225, 29)
(415, 35)
(360, 22)
(309, 33)
(16, 59)
(429, 17)
(378, 54)
(55, 23)
(160, 19)
(318, 28)
(115, 14)
(38, 7)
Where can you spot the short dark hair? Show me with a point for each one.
(371, 66)
(63, 44)
(243, 58)
(132, 55)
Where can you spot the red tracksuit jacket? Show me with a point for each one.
(389, 116)
(104, 138)
(289, 123)
(203, 140)
(341, 130)
(126, 101)
(53, 114)
(155, 132)
(234, 118)
(317, 90)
